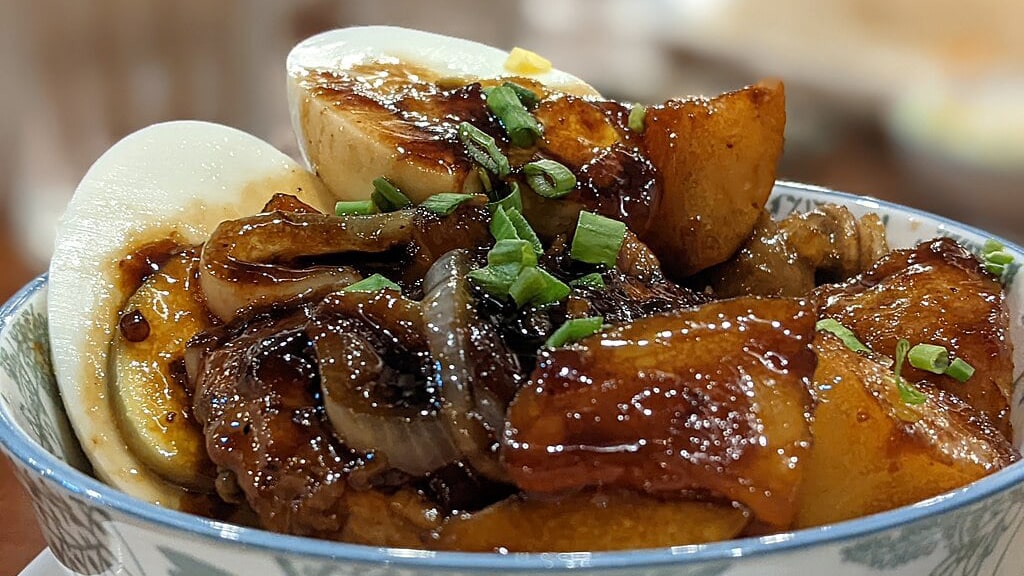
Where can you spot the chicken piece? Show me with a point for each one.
(788, 258)
(873, 452)
(713, 398)
(936, 293)
(591, 521)
(257, 389)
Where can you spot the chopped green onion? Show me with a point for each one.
(549, 178)
(832, 326)
(536, 286)
(992, 245)
(995, 258)
(513, 200)
(505, 262)
(354, 208)
(573, 330)
(511, 225)
(512, 252)
(637, 115)
(1003, 258)
(483, 149)
(501, 226)
(960, 370)
(495, 280)
(387, 197)
(485, 180)
(929, 357)
(597, 239)
(372, 283)
(592, 280)
(522, 128)
(528, 97)
(524, 230)
(908, 392)
(446, 202)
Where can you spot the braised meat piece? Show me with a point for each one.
(713, 398)
(789, 258)
(936, 293)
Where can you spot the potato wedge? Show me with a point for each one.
(152, 406)
(872, 452)
(716, 164)
(591, 521)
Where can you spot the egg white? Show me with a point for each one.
(350, 156)
(178, 178)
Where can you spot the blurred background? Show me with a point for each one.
(920, 103)
(924, 106)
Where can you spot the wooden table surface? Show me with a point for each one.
(20, 539)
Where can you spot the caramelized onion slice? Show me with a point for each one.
(479, 375)
(255, 260)
(374, 389)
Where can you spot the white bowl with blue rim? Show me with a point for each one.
(977, 530)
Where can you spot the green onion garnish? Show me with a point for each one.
(929, 357)
(446, 202)
(512, 252)
(524, 230)
(387, 197)
(522, 128)
(505, 262)
(908, 392)
(637, 115)
(528, 97)
(960, 370)
(536, 286)
(511, 225)
(592, 280)
(501, 226)
(573, 330)
(832, 326)
(995, 258)
(483, 149)
(372, 283)
(597, 239)
(485, 180)
(354, 208)
(549, 178)
(495, 280)
(513, 200)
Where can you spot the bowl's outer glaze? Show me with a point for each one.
(92, 529)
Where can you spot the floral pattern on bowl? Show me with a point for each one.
(977, 530)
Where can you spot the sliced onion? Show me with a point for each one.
(412, 439)
(250, 261)
(479, 375)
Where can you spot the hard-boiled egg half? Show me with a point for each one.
(176, 182)
(365, 103)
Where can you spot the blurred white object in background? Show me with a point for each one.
(966, 141)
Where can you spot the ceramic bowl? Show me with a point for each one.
(93, 529)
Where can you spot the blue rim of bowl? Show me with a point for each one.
(98, 494)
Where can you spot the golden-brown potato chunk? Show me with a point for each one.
(716, 166)
(936, 293)
(873, 452)
(712, 398)
(592, 521)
